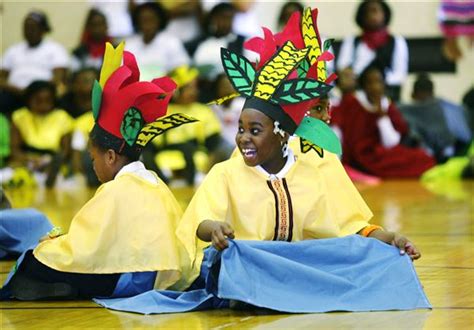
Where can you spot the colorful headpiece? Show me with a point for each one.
(285, 84)
(183, 75)
(129, 113)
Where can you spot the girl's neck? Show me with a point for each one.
(275, 166)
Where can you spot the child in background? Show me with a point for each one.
(122, 241)
(202, 135)
(79, 104)
(90, 51)
(229, 111)
(372, 129)
(376, 46)
(41, 133)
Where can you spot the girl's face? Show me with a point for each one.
(32, 31)
(257, 142)
(97, 27)
(321, 111)
(373, 84)
(221, 23)
(224, 87)
(188, 93)
(374, 16)
(84, 83)
(101, 165)
(41, 102)
(148, 23)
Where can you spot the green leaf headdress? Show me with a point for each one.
(288, 80)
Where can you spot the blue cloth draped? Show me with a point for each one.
(20, 230)
(353, 273)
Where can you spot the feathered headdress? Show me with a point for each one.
(129, 113)
(288, 79)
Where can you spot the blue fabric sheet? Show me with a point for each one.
(20, 230)
(341, 274)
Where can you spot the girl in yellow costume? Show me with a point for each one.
(203, 135)
(41, 134)
(122, 241)
(269, 193)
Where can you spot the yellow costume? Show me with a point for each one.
(84, 123)
(128, 226)
(207, 125)
(43, 132)
(316, 199)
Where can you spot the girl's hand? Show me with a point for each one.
(219, 235)
(216, 232)
(405, 246)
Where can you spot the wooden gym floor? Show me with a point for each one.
(439, 219)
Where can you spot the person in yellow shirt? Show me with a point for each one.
(122, 241)
(299, 196)
(41, 133)
(288, 229)
(204, 135)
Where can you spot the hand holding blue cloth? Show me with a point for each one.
(353, 273)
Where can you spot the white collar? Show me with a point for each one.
(138, 168)
(290, 160)
(362, 98)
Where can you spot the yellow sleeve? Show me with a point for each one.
(210, 202)
(348, 207)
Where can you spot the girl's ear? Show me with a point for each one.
(110, 156)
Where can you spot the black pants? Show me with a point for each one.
(86, 285)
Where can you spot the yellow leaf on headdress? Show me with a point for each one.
(223, 99)
(112, 60)
(309, 36)
(277, 69)
(311, 40)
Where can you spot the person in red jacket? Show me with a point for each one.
(372, 129)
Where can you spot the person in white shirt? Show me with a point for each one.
(156, 51)
(35, 58)
(376, 46)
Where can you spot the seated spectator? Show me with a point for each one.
(118, 17)
(189, 139)
(35, 58)
(156, 51)
(372, 129)
(229, 111)
(92, 47)
(184, 18)
(286, 11)
(468, 102)
(40, 137)
(376, 46)
(456, 20)
(431, 120)
(206, 49)
(78, 103)
(78, 100)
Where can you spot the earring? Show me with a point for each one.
(284, 149)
